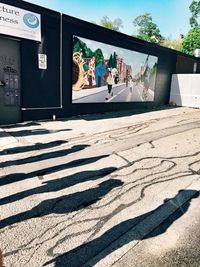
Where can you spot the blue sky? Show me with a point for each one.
(171, 16)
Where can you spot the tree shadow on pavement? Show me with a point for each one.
(64, 204)
(44, 156)
(16, 177)
(143, 107)
(36, 146)
(82, 254)
(35, 132)
(59, 184)
(21, 125)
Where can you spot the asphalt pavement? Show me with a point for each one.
(114, 189)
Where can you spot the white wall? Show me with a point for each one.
(185, 90)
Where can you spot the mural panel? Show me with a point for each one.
(104, 73)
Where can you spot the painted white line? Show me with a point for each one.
(92, 91)
(117, 94)
(139, 94)
(129, 96)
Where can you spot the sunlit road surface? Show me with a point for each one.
(93, 190)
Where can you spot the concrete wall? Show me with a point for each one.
(185, 90)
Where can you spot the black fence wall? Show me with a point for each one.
(166, 65)
(48, 92)
(185, 64)
(40, 88)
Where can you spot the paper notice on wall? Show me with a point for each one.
(42, 61)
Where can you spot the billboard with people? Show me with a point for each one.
(104, 73)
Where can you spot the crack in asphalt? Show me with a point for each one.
(132, 179)
(102, 221)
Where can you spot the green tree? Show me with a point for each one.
(191, 41)
(147, 29)
(173, 43)
(195, 10)
(114, 25)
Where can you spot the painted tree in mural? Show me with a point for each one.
(113, 61)
(99, 57)
(100, 68)
(154, 69)
(79, 46)
(110, 62)
(94, 63)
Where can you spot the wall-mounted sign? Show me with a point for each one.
(20, 23)
(42, 61)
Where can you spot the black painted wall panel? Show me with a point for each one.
(41, 88)
(186, 65)
(166, 66)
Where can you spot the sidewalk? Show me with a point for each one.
(102, 189)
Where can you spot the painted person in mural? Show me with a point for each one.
(116, 78)
(131, 83)
(145, 80)
(110, 83)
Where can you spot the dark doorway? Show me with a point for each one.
(10, 82)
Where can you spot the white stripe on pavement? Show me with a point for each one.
(116, 94)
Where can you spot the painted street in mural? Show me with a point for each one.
(133, 74)
(120, 93)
